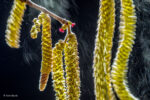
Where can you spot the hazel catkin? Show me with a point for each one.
(58, 71)
(72, 68)
(120, 64)
(46, 51)
(14, 24)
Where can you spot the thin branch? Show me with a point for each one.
(68, 32)
(42, 9)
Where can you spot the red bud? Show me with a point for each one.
(61, 30)
(73, 24)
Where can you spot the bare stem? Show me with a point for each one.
(68, 32)
(42, 9)
(69, 29)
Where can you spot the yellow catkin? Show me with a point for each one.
(72, 68)
(46, 51)
(58, 72)
(35, 28)
(14, 24)
(102, 53)
(119, 67)
(108, 44)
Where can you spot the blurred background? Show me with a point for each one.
(20, 68)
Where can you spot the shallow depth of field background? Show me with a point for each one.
(20, 68)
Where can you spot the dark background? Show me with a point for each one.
(20, 68)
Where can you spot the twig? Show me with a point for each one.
(34, 5)
(69, 29)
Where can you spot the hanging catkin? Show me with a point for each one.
(72, 68)
(35, 28)
(110, 23)
(46, 51)
(58, 72)
(14, 24)
(102, 53)
(119, 67)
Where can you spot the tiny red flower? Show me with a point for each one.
(73, 24)
(61, 30)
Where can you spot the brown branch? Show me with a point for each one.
(42, 9)
(69, 29)
(68, 32)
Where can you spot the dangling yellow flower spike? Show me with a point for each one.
(110, 24)
(58, 72)
(120, 64)
(35, 28)
(14, 24)
(102, 53)
(72, 67)
(46, 50)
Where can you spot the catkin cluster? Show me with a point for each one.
(72, 68)
(14, 24)
(120, 64)
(66, 86)
(102, 53)
(58, 71)
(67, 82)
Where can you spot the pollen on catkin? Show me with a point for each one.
(120, 64)
(14, 24)
(46, 51)
(58, 71)
(102, 53)
(72, 68)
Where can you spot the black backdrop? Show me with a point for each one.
(20, 68)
